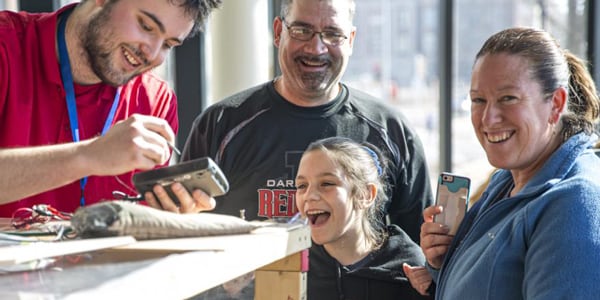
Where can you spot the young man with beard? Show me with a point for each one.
(258, 136)
(79, 111)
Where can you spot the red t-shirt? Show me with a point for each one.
(33, 110)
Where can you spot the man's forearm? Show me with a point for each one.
(32, 170)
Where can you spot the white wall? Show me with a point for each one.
(9, 5)
(239, 53)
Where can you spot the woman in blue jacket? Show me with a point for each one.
(535, 232)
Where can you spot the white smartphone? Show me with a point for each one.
(453, 195)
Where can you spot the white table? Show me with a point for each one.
(173, 268)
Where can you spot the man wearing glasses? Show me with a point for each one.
(258, 135)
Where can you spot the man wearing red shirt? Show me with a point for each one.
(79, 111)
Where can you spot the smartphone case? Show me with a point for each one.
(453, 195)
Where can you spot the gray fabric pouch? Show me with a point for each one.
(121, 218)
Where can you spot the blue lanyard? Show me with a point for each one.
(67, 78)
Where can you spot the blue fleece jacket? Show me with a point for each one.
(543, 243)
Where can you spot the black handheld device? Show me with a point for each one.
(202, 173)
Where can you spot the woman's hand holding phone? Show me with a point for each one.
(434, 237)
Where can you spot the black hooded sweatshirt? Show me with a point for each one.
(378, 276)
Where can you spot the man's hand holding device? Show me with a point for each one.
(188, 187)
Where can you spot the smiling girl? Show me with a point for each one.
(341, 192)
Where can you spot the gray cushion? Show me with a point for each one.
(120, 218)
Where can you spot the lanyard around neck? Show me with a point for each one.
(67, 78)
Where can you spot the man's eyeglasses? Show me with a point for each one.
(303, 33)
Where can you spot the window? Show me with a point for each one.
(396, 58)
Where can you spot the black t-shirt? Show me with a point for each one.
(257, 138)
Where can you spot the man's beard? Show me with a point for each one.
(97, 47)
(318, 81)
